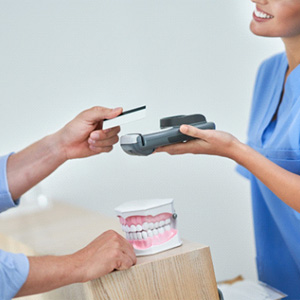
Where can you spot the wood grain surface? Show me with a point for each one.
(182, 273)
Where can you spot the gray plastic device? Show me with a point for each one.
(143, 145)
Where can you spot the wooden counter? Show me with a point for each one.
(182, 273)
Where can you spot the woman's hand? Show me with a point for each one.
(207, 141)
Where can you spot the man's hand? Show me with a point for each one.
(83, 136)
(108, 252)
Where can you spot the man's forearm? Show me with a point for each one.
(81, 137)
(31, 165)
(109, 251)
(47, 273)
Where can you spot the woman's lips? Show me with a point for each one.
(261, 16)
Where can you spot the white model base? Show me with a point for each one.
(172, 243)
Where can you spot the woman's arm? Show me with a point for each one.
(81, 137)
(284, 184)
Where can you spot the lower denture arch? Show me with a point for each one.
(155, 240)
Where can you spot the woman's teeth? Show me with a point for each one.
(262, 15)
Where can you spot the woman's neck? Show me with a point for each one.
(292, 49)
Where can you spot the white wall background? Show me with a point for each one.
(59, 57)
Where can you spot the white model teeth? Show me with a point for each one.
(139, 235)
(145, 226)
(144, 235)
(156, 233)
(161, 230)
(145, 230)
(262, 15)
(139, 228)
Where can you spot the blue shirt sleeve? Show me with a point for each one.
(243, 171)
(14, 269)
(6, 200)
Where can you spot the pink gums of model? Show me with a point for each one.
(150, 225)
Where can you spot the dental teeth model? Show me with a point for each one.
(150, 225)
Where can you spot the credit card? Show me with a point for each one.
(126, 117)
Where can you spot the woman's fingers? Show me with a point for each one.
(194, 131)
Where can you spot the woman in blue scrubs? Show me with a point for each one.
(271, 157)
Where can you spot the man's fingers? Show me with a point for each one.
(117, 241)
(104, 134)
(104, 143)
(122, 252)
(125, 246)
(124, 262)
(100, 149)
(99, 113)
(103, 140)
(128, 250)
(114, 113)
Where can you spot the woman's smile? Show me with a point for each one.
(261, 16)
(276, 18)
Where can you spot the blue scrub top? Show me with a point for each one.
(276, 225)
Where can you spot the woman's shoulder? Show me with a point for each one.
(274, 61)
(270, 76)
(272, 67)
